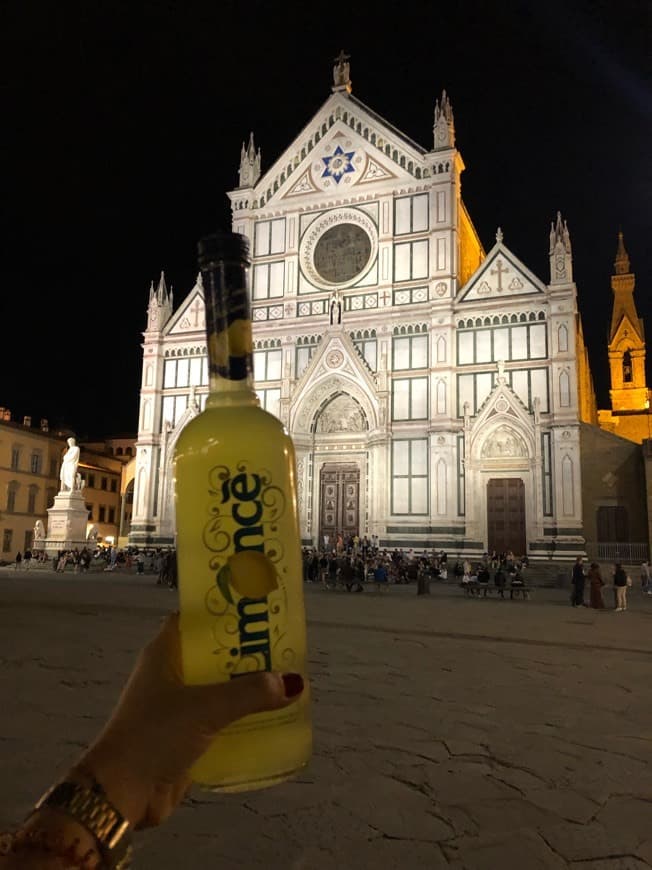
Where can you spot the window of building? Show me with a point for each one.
(129, 451)
(305, 349)
(35, 462)
(613, 524)
(528, 384)
(187, 371)
(89, 508)
(270, 400)
(15, 458)
(502, 343)
(410, 260)
(410, 352)
(7, 536)
(368, 347)
(101, 514)
(410, 399)
(90, 481)
(50, 493)
(269, 237)
(410, 476)
(53, 468)
(114, 485)
(411, 214)
(173, 408)
(27, 539)
(627, 367)
(103, 483)
(112, 515)
(269, 279)
(31, 499)
(12, 490)
(267, 365)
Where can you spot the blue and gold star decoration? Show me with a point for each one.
(338, 164)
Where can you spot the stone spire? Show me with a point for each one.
(341, 73)
(626, 340)
(249, 171)
(560, 252)
(160, 304)
(622, 257)
(444, 126)
(622, 285)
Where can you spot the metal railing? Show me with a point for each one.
(619, 551)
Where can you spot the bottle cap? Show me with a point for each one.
(220, 247)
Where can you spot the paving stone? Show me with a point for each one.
(483, 736)
(521, 850)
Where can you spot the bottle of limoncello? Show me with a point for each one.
(238, 545)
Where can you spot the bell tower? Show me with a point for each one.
(626, 340)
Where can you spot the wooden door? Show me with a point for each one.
(506, 515)
(339, 496)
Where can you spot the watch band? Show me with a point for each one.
(92, 809)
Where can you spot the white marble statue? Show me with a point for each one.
(39, 531)
(68, 474)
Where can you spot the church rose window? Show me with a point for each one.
(338, 248)
(342, 253)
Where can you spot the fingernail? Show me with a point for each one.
(293, 685)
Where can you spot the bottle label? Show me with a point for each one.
(249, 598)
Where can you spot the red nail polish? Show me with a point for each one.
(293, 685)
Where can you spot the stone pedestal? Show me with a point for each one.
(68, 518)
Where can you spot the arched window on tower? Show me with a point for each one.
(627, 367)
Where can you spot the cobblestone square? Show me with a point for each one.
(449, 732)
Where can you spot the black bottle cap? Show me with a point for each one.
(222, 247)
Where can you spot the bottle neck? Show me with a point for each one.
(228, 334)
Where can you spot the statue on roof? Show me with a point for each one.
(341, 73)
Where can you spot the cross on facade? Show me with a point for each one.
(384, 296)
(196, 310)
(500, 270)
(342, 57)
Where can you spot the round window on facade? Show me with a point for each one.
(342, 253)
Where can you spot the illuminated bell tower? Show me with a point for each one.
(626, 340)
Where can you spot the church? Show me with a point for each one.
(436, 392)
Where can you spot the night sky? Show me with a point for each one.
(123, 124)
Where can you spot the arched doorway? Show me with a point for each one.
(339, 502)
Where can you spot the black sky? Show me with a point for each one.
(123, 126)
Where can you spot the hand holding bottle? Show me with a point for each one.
(160, 727)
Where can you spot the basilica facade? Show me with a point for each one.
(434, 390)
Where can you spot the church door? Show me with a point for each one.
(506, 515)
(339, 495)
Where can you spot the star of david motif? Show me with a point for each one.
(338, 164)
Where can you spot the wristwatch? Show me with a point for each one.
(91, 808)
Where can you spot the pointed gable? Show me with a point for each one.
(502, 429)
(344, 144)
(500, 275)
(335, 367)
(190, 316)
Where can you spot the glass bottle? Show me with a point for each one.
(238, 544)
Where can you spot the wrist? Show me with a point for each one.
(124, 788)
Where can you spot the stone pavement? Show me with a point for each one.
(449, 732)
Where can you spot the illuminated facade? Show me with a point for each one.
(434, 391)
(629, 416)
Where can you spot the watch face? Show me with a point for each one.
(342, 253)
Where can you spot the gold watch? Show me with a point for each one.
(91, 808)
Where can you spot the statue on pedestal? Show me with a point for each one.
(68, 473)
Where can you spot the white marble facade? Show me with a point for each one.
(439, 379)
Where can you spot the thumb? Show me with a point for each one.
(219, 705)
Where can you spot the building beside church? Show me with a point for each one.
(630, 415)
(435, 391)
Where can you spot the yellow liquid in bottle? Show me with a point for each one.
(241, 585)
